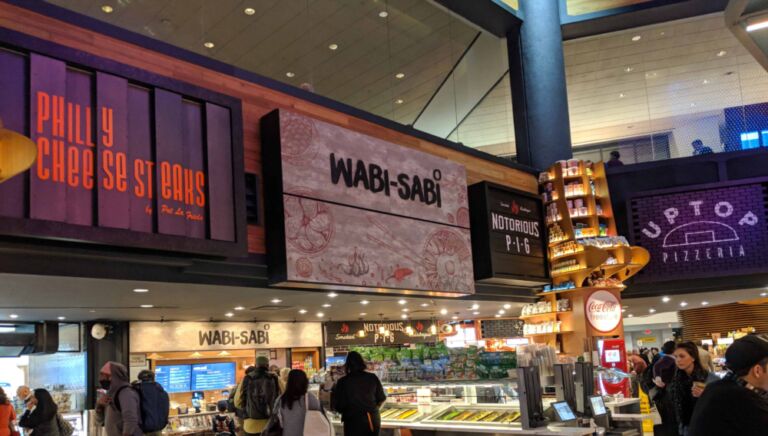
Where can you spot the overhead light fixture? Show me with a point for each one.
(721, 53)
(757, 26)
(630, 316)
(621, 95)
(475, 306)
(383, 14)
(399, 75)
(683, 303)
(209, 44)
(705, 82)
(302, 311)
(249, 11)
(107, 9)
(13, 316)
(196, 355)
(290, 74)
(705, 303)
(650, 75)
(443, 311)
(405, 309)
(401, 302)
(141, 290)
(475, 313)
(454, 317)
(502, 311)
(404, 316)
(637, 38)
(623, 310)
(229, 314)
(399, 101)
(363, 314)
(333, 46)
(507, 306)
(424, 304)
(276, 300)
(692, 105)
(239, 308)
(651, 310)
(146, 306)
(433, 329)
(225, 353)
(364, 302)
(61, 318)
(497, 316)
(628, 69)
(327, 305)
(332, 295)
(320, 314)
(666, 299)
(764, 294)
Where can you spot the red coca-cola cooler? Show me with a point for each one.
(612, 377)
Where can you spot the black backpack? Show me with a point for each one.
(153, 403)
(261, 392)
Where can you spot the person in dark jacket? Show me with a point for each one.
(223, 424)
(687, 384)
(358, 396)
(41, 413)
(738, 404)
(615, 160)
(256, 395)
(124, 420)
(663, 373)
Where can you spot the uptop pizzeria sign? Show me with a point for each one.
(356, 212)
(121, 160)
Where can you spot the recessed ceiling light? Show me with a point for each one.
(475, 313)
(454, 317)
(621, 95)
(92, 311)
(497, 315)
(290, 74)
(405, 309)
(637, 38)
(623, 310)
(61, 318)
(13, 316)
(650, 75)
(705, 82)
(364, 302)
(327, 305)
(146, 306)
(249, 11)
(424, 304)
(757, 26)
(320, 314)
(399, 75)
(363, 314)
(399, 101)
(692, 105)
(721, 53)
(332, 295)
(401, 302)
(333, 46)
(662, 33)
(683, 303)
(107, 9)
(666, 299)
(705, 303)
(229, 314)
(443, 311)
(507, 306)
(651, 310)
(630, 315)
(383, 14)
(141, 290)
(628, 69)
(404, 316)
(764, 294)
(209, 44)
(302, 311)
(502, 311)
(276, 300)
(239, 308)
(475, 306)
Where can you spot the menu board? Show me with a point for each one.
(174, 378)
(212, 376)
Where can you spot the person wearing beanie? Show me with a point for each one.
(256, 395)
(738, 404)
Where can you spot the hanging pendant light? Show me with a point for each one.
(17, 153)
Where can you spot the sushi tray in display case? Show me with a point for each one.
(475, 415)
(401, 413)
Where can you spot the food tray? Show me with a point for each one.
(394, 414)
(475, 416)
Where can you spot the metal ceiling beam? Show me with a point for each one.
(734, 17)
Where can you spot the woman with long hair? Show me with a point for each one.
(42, 420)
(295, 402)
(358, 396)
(7, 415)
(688, 384)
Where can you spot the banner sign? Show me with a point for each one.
(121, 161)
(356, 212)
(156, 337)
(508, 236)
(703, 232)
(395, 333)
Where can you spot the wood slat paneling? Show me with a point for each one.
(702, 322)
(257, 100)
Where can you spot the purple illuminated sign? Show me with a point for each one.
(702, 232)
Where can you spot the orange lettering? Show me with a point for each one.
(57, 116)
(58, 160)
(73, 163)
(43, 149)
(88, 134)
(78, 126)
(107, 126)
(43, 110)
(88, 169)
(165, 180)
(189, 196)
(178, 180)
(138, 173)
(107, 159)
(122, 172)
(150, 178)
(70, 127)
(200, 179)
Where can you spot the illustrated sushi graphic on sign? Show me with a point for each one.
(699, 232)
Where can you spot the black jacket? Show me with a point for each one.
(358, 393)
(728, 409)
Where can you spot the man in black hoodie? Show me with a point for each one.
(738, 404)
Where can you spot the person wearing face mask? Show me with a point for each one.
(119, 411)
(687, 384)
(738, 404)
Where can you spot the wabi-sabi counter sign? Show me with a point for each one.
(705, 232)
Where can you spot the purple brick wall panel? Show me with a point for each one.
(13, 110)
(115, 181)
(169, 151)
(193, 149)
(140, 141)
(221, 204)
(81, 153)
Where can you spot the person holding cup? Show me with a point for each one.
(688, 384)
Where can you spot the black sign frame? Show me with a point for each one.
(487, 262)
(349, 329)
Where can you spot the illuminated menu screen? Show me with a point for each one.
(174, 378)
(212, 376)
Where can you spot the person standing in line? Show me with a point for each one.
(7, 415)
(222, 423)
(699, 148)
(295, 402)
(663, 373)
(256, 395)
(237, 403)
(738, 404)
(40, 417)
(655, 355)
(119, 410)
(358, 397)
(615, 160)
(688, 384)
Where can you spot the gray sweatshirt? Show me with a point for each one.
(126, 421)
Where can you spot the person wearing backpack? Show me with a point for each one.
(125, 419)
(223, 424)
(154, 403)
(256, 395)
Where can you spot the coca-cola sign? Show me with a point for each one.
(603, 311)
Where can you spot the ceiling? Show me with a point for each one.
(35, 298)
(375, 40)
(640, 308)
